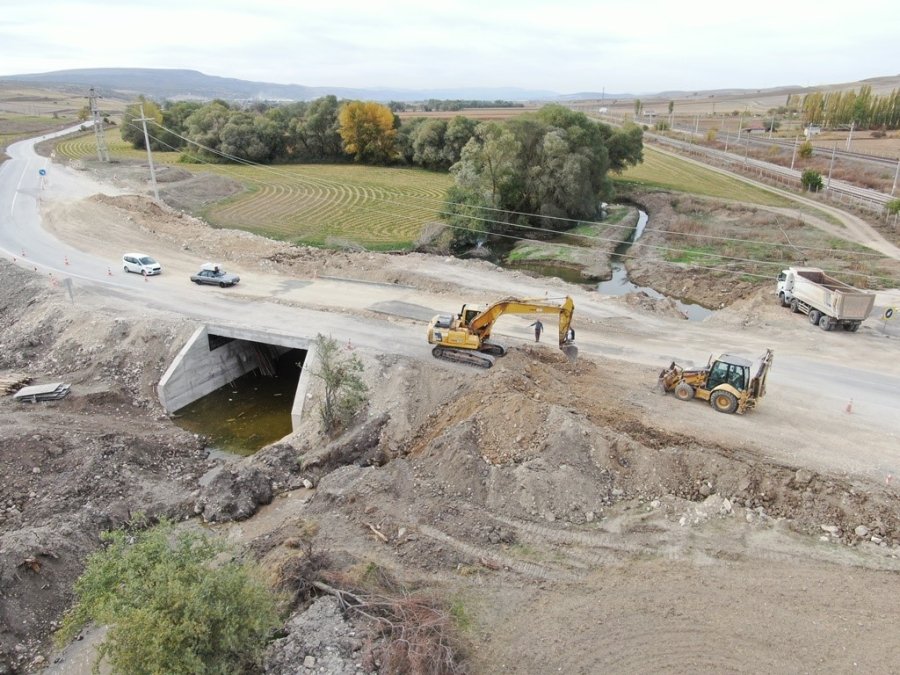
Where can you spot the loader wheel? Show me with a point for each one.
(825, 323)
(814, 316)
(684, 391)
(795, 306)
(723, 401)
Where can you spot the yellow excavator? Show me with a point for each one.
(726, 382)
(465, 337)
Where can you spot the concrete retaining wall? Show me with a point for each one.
(198, 370)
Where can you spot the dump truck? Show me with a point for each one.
(730, 383)
(466, 337)
(827, 302)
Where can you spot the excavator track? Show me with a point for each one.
(467, 356)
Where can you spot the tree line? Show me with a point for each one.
(863, 109)
(545, 169)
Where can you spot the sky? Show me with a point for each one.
(566, 46)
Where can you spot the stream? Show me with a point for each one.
(619, 284)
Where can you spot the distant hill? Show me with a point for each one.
(177, 84)
(160, 83)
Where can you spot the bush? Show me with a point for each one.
(345, 392)
(893, 206)
(811, 180)
(806, 150)
(169, 608)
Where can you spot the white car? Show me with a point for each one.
(140, 263)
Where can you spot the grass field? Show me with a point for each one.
(670, 173)
(318, 204)
(380, 208)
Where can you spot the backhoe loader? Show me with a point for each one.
(465, 337)
(726, 382)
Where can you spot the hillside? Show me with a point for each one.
(176, 84)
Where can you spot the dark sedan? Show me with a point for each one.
(215, 276)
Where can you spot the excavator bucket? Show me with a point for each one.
(570, 350)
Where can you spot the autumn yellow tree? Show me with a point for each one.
(367, 130)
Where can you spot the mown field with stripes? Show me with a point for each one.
(379, 208)
(376, 207)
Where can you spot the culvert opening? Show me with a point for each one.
(253, 409)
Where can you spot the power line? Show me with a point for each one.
(712, 256)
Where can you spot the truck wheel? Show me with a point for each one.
(723, 401)
(782, 301)
(814, 316)
(825, 322)
(684, 391)
(795, 306)
(853, 327)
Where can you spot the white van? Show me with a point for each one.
(140, 263)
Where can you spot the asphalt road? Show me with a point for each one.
(816, 375)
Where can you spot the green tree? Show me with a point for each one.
(811, 180)
(317, 132)
(367, 130)
(345, 391)
(671, 107)
(893, 207)
(204, 126)
(544, 170)
(459, 130)
(428, 144)
(805, 150)
(638, 106)
(171, 607)
(250, 136)
(132, 131)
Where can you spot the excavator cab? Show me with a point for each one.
(728, 383)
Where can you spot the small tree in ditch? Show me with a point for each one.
(811, 180)
(345, 391)
(806, 150)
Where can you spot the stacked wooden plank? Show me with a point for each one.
(12, 382)
(43, 392)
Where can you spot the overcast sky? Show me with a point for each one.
(567, 46)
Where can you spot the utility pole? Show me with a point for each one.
(830, 167)
(99, 135)
(850, 135)
(794, 155)
(772, 127)
(896, 173)
(143, 120)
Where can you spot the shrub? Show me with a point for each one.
(811, 180)
(169, 608)
(893, 206)
(345, 392)
(806, 150)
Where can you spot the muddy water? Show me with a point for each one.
(247, 414)
(618, 284)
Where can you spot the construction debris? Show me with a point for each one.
(12, 382)
(43, 392)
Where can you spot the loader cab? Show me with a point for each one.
(731, 370)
